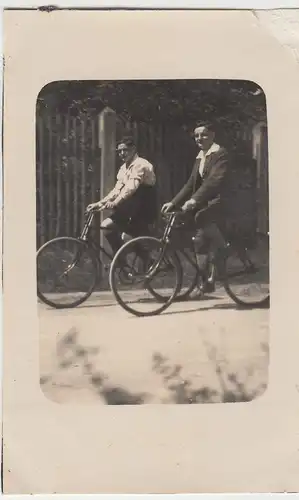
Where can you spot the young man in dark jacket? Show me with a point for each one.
(204, 196)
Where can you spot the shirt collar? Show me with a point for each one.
(132, 162)
(213, 149)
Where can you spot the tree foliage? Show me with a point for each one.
(181, 101)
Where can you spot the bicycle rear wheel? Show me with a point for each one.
(190, 278)
(143, 271)
(67, 272)
(190, 274)
(246, 275)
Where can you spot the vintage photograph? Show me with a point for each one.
(155, 181)
(152, 240)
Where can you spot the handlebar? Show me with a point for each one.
(173, 213)
(91, 211)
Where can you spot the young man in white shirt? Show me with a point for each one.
(132, 200)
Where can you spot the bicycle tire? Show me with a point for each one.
(115, 266)
(227, 281)
(193, 283)
(94, 276)
(180, 296)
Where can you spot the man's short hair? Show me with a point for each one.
(210, 126)
(128, 140)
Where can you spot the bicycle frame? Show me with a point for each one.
(85, 236)
(165, 240)
(168, 229)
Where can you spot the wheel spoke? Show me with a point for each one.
(247, 274)
(66, 272)
(155, 275)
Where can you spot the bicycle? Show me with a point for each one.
(234, 271)
(68, 268)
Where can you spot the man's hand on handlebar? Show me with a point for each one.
(99, 205)
(166, 207)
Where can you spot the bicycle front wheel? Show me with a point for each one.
(246, 276)
(143, 272)
(67, 271)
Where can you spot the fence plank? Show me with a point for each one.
(94, 187)
(72, 152)
(68, 176)
(51, 193)
(41, 186)
(82, 167)
(58, 181)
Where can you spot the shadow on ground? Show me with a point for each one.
(70, 353)
(232, 390)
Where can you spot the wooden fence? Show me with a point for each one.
(68, 166)
(67, 173)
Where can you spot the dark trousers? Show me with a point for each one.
(209, 231)
(114, 229)
(133, 216)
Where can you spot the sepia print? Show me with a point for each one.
(152, 241)
(149, 159)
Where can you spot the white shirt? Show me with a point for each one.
(213, 149)
(140, 171)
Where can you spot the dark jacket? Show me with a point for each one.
(211, 187)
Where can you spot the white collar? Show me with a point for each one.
(213, 149)
(132, 162)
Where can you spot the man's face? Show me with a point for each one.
(126, 153)
(204, 138)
